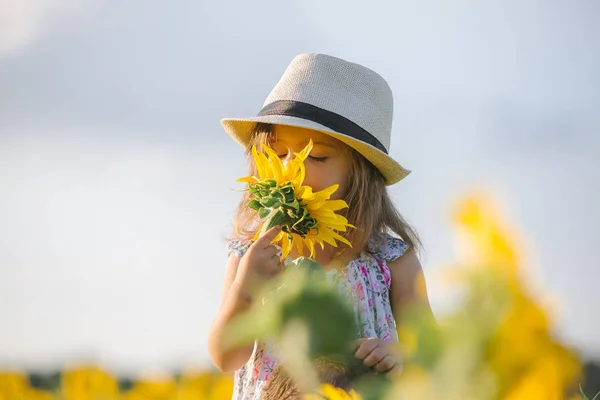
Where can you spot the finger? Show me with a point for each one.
(265, 240)
(375, 357)
(360, 342)
(272, 251)
(365, 348)
(275, 268)
(387, 363)
(396, 369)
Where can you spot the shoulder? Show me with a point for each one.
(407, 280)
(238, 247)
(408, 265)
(401, 260)
(387, 247)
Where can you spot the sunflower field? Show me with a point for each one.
(498, 343)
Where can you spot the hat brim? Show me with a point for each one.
(241, 129)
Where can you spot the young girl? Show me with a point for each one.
(346, 109)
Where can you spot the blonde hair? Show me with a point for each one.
(370, 207)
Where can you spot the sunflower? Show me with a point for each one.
(280, 198)
(330, 392)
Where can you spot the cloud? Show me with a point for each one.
(22, 21)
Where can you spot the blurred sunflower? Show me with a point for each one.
(280, 198)
(330, 392)
(89, 383)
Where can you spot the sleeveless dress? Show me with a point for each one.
(366, 280)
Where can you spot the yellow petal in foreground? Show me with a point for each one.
(542, 382)
(85, 383)
(331, 392)
(205, 385)
(159, 388)
(13, 385)
(35, 394)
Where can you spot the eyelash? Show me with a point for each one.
(316, 159)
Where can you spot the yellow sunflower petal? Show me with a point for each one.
(325, 235)
(299, 242)
(334, 205)
(330, 236)
(318, 204)
(340, 238)
(326, 193)
(328, 216)
(303, 154)
(310, 244)
(320, 242)
(303, 192)
(337, 224)
(260, 169)
(286, 247)
(321, 195)
(265, 167)
(295, 168)
(298, 180)
(279, 237)
(334, 393)
(275, 164)
(248, 179)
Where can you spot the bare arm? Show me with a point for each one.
(243, 277)
(234, 301)
(408, 286)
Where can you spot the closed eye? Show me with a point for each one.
(317, 159)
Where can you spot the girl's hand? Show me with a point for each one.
(260, 263)
(378, 354)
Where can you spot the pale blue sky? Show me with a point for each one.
(117, 178)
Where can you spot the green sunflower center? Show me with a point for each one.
(278, 205)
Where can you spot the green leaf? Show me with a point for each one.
(290, 197)
(263, 213)
(307, 264)
(278, 218)
(254, 204)
(330, 322)
(293, 204)
(583, 395)
(271, 202)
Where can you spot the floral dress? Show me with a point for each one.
(366, 280)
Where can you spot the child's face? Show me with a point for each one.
(328, 162)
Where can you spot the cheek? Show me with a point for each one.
(321, 177)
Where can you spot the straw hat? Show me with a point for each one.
(342, 99)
